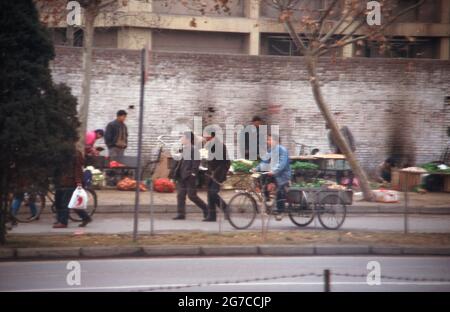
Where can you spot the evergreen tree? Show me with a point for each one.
(38, 120)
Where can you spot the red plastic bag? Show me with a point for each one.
(115, 164)
(163, 185)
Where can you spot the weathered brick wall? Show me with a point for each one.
(387, 103)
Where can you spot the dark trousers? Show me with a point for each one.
(62, 199)
(213, 197)
(281, 197)
(188, 187)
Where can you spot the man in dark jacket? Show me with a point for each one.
(251, 139)
(186, 175)
(218, 166)
(116, 135)
(67, 181)
(348, 137)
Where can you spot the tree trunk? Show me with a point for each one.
(340, 140)
(88, 39)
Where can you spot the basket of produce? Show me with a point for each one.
(243, 165)
(436, 168)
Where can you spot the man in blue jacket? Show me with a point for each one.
(277, 162)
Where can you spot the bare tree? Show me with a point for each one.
(317, 31)
(54, 13)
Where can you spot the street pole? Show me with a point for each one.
(139, 152)
(405, 217)
(326, 281)
(152, 225)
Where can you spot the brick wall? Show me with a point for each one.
(389, 104)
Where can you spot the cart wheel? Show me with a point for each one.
(241, 211)
(301, 214)
(332, 212)
(24, 214)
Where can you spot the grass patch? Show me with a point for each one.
(241, 238)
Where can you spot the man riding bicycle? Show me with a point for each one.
(276, 162)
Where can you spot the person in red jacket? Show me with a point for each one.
(66, 182)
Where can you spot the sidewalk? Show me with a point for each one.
(120, 201)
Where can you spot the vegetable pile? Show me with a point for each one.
(302, 165)
(243, 165)
(435, 168)
(314, 184)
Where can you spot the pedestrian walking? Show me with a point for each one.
(218, 166)
(185, 173)
(66, 181)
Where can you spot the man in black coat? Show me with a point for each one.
(186, 173)
(218, 166)
(116, 135)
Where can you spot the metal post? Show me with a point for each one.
(139, 153)
(405, 214)
(152, 229)
(326, 281)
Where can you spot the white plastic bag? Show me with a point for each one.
(79, 199)
(386, 196)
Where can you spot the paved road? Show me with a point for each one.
(123, 223)
(146, 274)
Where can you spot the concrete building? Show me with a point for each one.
(251, 27)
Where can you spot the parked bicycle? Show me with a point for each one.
(306, 150)
(43, 199)
(302, 205)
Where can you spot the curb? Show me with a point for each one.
(8, 254)
(395, 209)
(354, 209)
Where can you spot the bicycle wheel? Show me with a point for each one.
(24, 213)
(301, 214)
(242, 210)
(92, 206)
(332, 212)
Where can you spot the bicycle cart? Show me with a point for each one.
(302, 205)
(329, 205)
(43, 199)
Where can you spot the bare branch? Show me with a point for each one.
(294, 35)
(336, 27)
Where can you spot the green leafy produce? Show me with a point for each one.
(433, 168)
(302, 165)
(314, 184)
(243, 165)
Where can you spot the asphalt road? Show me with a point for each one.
(151, 274)
(123, 223)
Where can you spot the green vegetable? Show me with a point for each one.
(314, 184)
(433, 168)
(302, 165)
(243, 166)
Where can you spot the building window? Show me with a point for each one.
(400, 47)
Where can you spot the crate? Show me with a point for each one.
(317, 195)
(98, 162)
